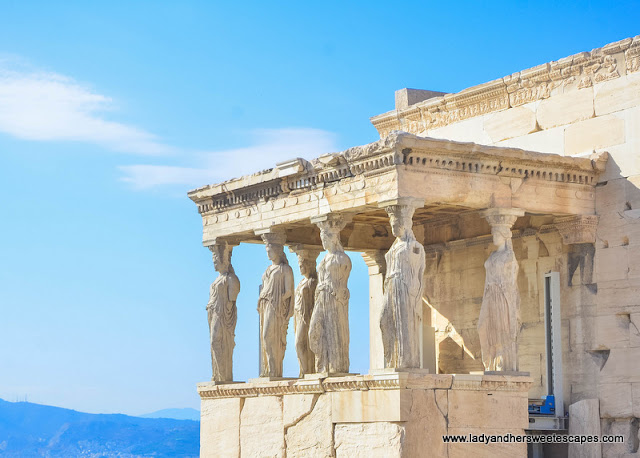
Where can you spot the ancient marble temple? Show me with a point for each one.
(476, 214)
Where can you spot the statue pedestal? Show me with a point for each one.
(269, 379)
(323, 375)
(398, 370)
(514, 373)
(394, 414)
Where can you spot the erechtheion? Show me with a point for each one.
(501, 228)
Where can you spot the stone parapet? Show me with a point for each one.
(393, 414)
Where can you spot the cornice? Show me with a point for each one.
(570, 73)
(398, 151)
(390, 381)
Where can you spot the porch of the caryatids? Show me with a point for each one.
(303, 304)
(499, 321)
(329, 327)
(222, 312)
(275, 304)
(401, 315)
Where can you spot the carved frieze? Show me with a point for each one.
(529, 85)
(528, 91)
(632, 56)
(578, 71)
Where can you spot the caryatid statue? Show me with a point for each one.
(222, 312)
(329, 328)
(401, 317)
(275, 306)
(304, 301)
(499, 321)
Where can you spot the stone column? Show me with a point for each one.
(275, 304)
(222, 312)
(499, 322)
(329, 328)
(304, 300)
(377, 266)
(401, 317)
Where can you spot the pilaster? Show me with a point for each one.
(579, 233)
(376, 263)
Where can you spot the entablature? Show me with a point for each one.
(450, 177)
(575, 72)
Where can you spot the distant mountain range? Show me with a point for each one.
(34, 430)
(176, 414)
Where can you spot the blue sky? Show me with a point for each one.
(111, 111)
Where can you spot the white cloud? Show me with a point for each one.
(46, 106)
(150, 176)
(36, 105)
(269, 146)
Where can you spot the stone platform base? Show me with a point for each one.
(399, 414)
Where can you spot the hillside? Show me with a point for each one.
(29, 430)
(177, 414)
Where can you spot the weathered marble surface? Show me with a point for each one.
(329, 328)
(220, 427)
(401, 317)
(309, 433)
(261, 427)
(364, 440)
(388, 415)
(585, 419)
(499, 321)
(275, 306)
(562, 92)
(303, 306)
(222, 313)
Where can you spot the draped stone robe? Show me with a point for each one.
(499, 320)
(275, 308)
(401, 318)
(223, 314)
(303, 309)
(329, 328)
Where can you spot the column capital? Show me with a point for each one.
(335, 221)
(413, 202)
(222, 241)
(305, 250)
(577, 229)
(274, 235)
(502, 216)
(375, 261)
